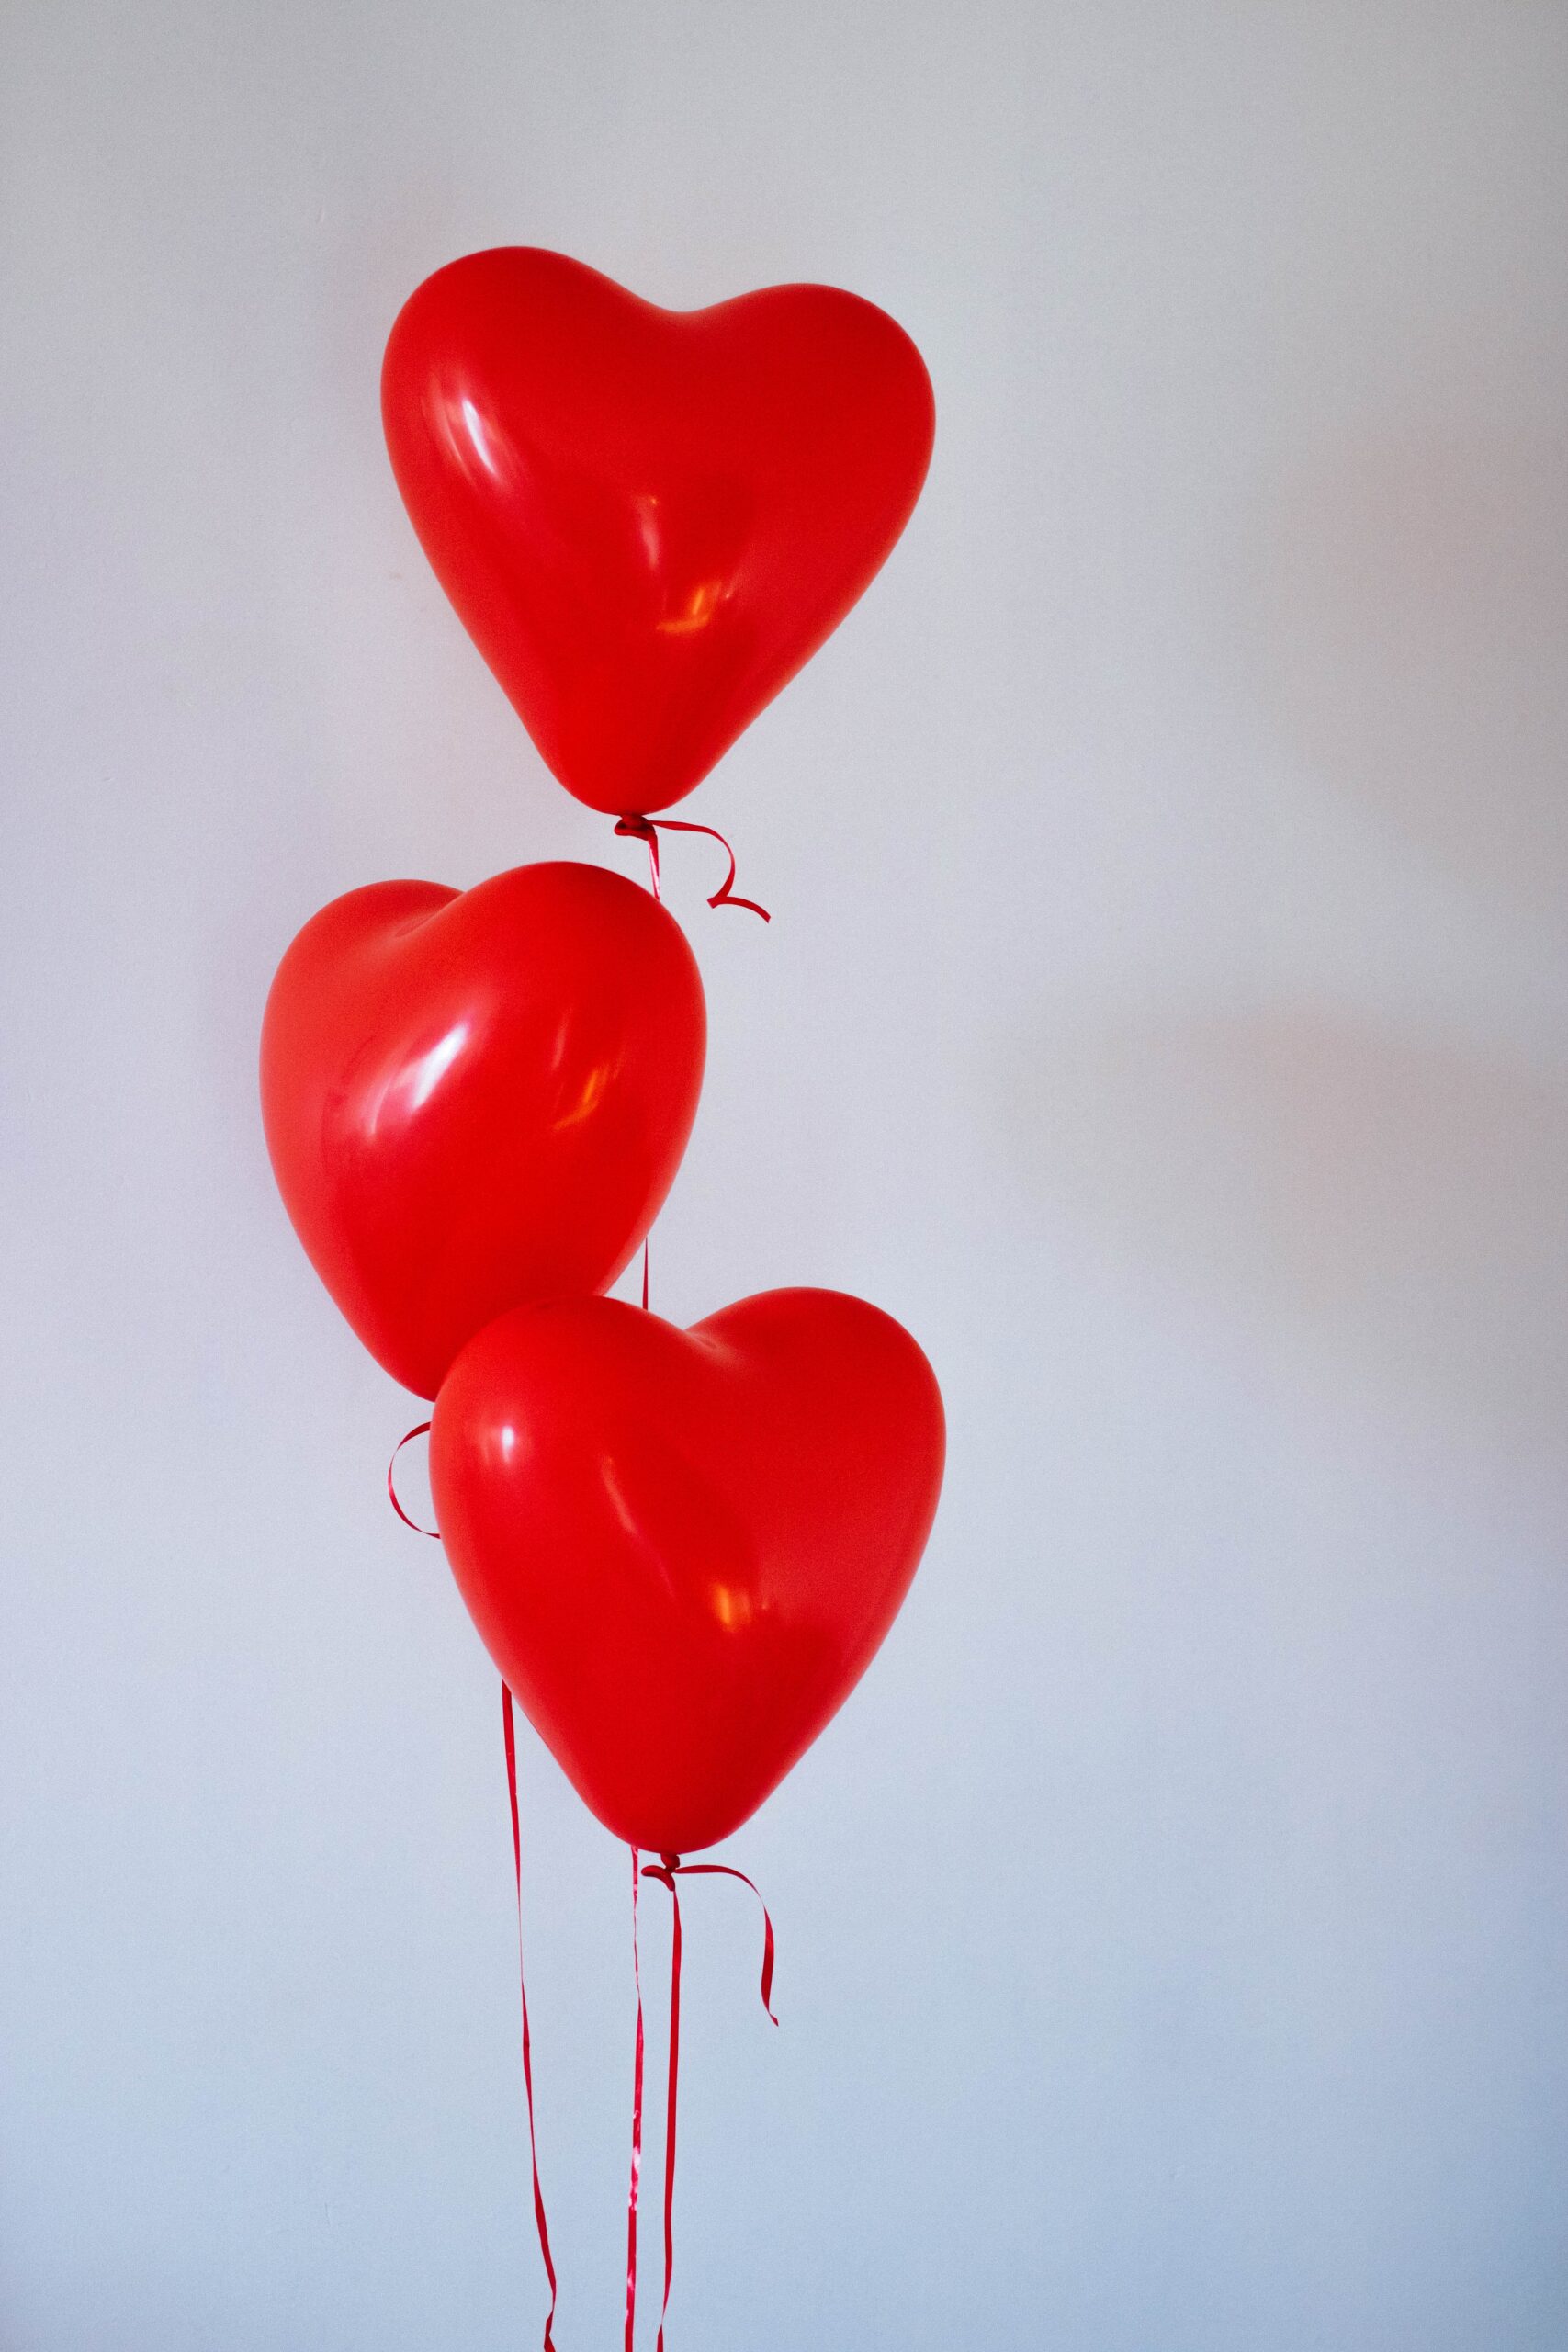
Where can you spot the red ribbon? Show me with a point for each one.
(434, 1533)
(647, 828)
(508, 1728)
(667, 1868)
(637, 2124)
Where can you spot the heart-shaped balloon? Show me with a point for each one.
(648, 519)
(476, 1099)
(684, 1548)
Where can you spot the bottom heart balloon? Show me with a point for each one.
(684, 1548)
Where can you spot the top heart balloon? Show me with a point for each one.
(647, 520)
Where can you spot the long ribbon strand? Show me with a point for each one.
(667, 1868)
(508, 1728)
(633, 2192)
(647, 828)
(666, 1876)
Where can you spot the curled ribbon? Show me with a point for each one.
(647, 828)
(667, 1868)
(434, 1533)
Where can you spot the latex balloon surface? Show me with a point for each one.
(684, 1548)
(475, 1098)
(648, 519)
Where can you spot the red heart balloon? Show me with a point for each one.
(684, 1548)
(475, 1098)
(648, 519)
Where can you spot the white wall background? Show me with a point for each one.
(1166, 1013)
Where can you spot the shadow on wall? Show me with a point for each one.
(1414, 607)
(1395, 1207)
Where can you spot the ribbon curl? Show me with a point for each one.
(434, 1533)
(647, 830)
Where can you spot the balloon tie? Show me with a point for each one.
(667, 1868)
(510, 1732)
(647, 830)
(434, 1533)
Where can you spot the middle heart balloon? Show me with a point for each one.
(476, 1100)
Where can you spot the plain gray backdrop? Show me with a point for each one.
(1165, 1013)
